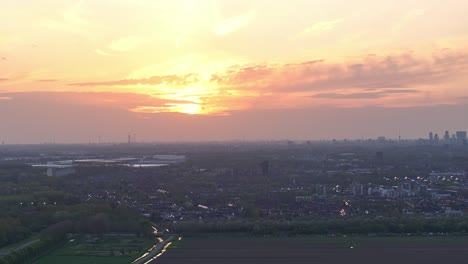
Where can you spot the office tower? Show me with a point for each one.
(461, 136)
(446, 136)
(379, 156)
(265, 166)
(381, 139)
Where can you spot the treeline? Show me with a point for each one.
(27, 253)
(50, 237)
(98, 224)
(323, 227)
(11, 230)
(87, 218)
(107, 220)
(54, 215)
(118, 221)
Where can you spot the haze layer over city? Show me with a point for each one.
(233, 131)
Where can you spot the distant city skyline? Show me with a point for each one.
(309, 124)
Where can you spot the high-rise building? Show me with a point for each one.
(321, 189)
(436, 137)
(461, 136)
(431, 136)
(357, 189)
(447, 136)
(265, 166)
(379, 156)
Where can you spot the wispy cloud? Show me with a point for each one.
(47, 80)
(364, 95)
(322, 26)
(121, 45)
(154, 80)
(126, 43)
(185, 108)
(407, 19)
(103, 53)
(239, 86)
(371, 72)
(71, 20)
(232, 24)
(124, 101)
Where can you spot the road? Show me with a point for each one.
(155, 252)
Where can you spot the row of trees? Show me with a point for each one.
(320, 227)
(25, 254)
(50, 237)
(101, 223)
(11, 230)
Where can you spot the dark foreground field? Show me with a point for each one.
(106, 250)
(317, 250)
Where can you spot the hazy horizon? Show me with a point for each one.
(295, 124)
(71, 71)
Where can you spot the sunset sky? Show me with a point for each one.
(187, 70)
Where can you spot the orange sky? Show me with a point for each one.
(221, 58)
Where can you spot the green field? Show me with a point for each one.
(90, 250)
(306, 250)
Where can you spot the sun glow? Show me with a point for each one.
(189, 85)
(190, 109)
(193, 96)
